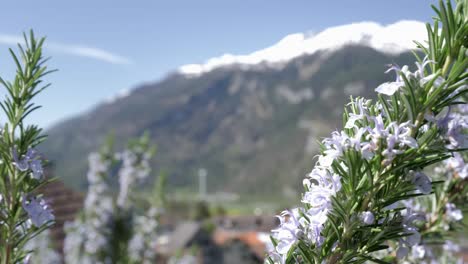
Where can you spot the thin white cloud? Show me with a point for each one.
(10, 39)
(89, 52)
(74, 50)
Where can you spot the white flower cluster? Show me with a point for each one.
(88, 237)
(142, 245)
(135, 168)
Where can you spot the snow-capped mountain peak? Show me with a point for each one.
(394, 38)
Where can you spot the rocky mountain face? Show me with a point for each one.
(253, 128)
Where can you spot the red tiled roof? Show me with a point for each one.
(223, 237)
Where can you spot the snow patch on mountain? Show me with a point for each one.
(119, 95)
(393, 39)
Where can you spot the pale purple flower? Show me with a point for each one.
(402, 252)
(27, 259)
(453, 124)
(379, 130)
(397, 137)
(277, 257)
(341, 142)
(418, 251)
(21, 164)
(422, 182)
(403, 133)
(31, 160)
(389, 88)
(455, 131)
(352, 120)
(366, 149)
(420, 72)
(39, 212)
(438, 81)
(293, 227)
(458, 165)
(36, 168)
(375, 135)
(390, 152)
(441, 120)
(321, 186)
(313, 234)
(367, 217)
(409, 227)
(327, 160)
(414, 238)
(453, 214)
(362, 105)
(288, 232)
(450, 246)
(318, 198)
(425, 79)
(318, 216)
(413, 206)
(324, 179)
(334, 147)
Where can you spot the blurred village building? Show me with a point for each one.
(224, 239)
(220, 240)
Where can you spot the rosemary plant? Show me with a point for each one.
(109, 229)
(370, 196)
(23, 211)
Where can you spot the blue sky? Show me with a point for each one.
(102, 47)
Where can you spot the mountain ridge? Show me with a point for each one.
(252, 129)
(393, 38)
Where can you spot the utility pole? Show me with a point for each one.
(202, 173)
